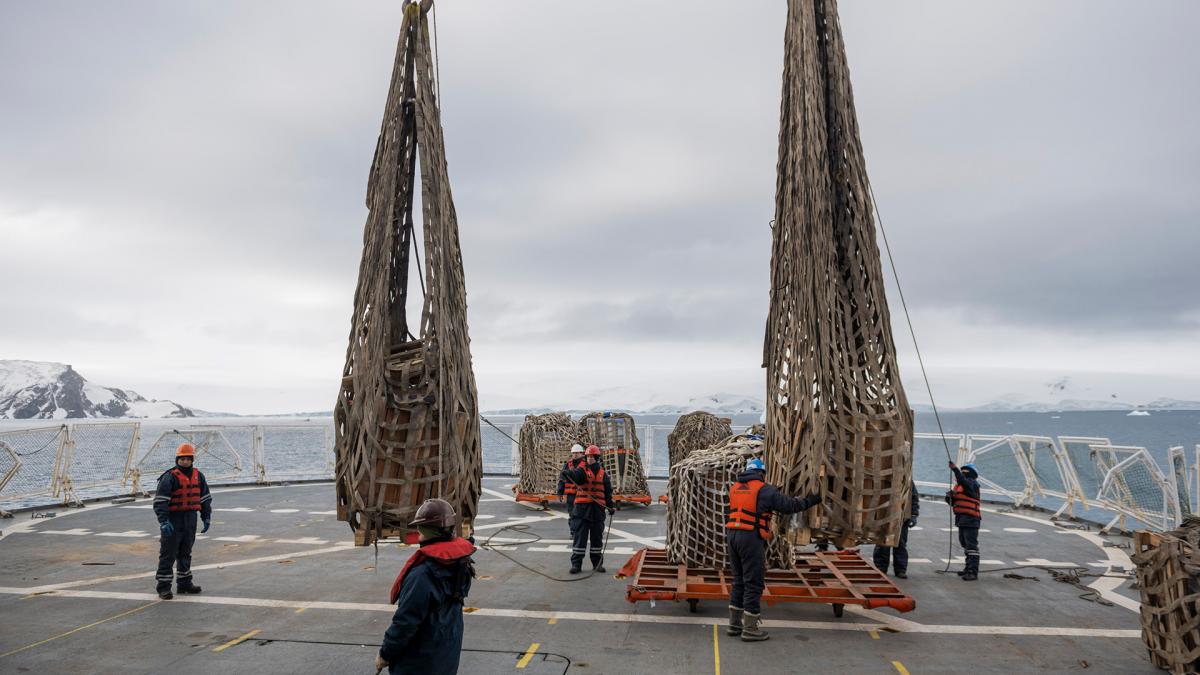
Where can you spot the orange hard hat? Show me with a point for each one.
(185, 450)
(593, 450)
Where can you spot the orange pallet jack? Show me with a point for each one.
(838, 578)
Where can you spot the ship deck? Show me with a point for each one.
(286, 591)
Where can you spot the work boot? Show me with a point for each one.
(961, 573)
(165, 595)
(735, 621)
(599, 567)
(575, 569)
(970, 576)
(185, 589)
(750, 630)
(901, 574)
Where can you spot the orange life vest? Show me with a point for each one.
(569, 487)
(743, 509)
(592, 490)
(964, 505)
(186, 497)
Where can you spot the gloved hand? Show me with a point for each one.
(166, 528)
(953, 466)
(380, 664)
(611, 510)
(207, 523)
(813, 499)
(911, 522)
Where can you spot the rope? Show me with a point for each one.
(489, 423)
(44, 445)
(1067, 575)
(524, 529)
(920, 360)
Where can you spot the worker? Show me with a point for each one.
(751, 503)
(567, 488)
(427, 628)
(964, 501)
(593, 496)
(182, 493)
(899, 553)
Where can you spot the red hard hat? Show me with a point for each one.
(185, 450)
(593, 450)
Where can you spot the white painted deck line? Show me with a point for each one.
(128, 533)
(896, 623)
(285, 510)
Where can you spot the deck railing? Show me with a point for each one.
(1088, 477)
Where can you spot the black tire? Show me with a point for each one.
(838, 609)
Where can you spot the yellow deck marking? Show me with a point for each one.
(76, 630)
(236, 641)
(874, 635)
(716, 653)
(301, 610)
(528, 655)
(900, 668)
(553, 620)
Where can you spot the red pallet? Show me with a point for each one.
(636, 499)
(538, 498)
(835, 577)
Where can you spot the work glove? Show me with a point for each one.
(911, 522)
(611, 510)
(166, 528)
(813, 499)
(207, 523)
(953, 466)
(380, 664)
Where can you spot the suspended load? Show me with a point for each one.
(837, 417)
(1168, 570)
(406, 418)
(545, 443)
(695, 431)
(616, 436)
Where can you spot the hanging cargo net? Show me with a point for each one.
(98, 458)
(1168, 566)
(407, 414)
(838, 421)
(616, 436)
(32, 470)
(698, 505)
(695, 431)
(545, 443)
(216, 458)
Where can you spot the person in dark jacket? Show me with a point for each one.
(899, 553)
(426, 634)
(593, 497)
(567, 488)
(751, 503)
(182, 493)
(964, 500)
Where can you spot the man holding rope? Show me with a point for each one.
(593, 496)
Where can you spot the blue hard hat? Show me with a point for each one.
(755, 465)
(971, 468)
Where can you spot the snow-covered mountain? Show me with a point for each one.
(42, 390)
(617, 400)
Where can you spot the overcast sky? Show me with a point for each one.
(182, 184)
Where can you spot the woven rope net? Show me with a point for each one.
(837, 416)
(694, 431)
(1169, 578)
(698, 501)
(545, 444)
(616, 436)
(406, 417)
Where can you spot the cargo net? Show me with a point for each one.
(698, 505)
(1168, 575)
(296, 452)
(216, 457)
(616, 436)
(99, 458)
(30, 462)
(407, 413)
(838, 421)
(545, 442)
(695, 431)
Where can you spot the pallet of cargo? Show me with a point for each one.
(838, 578)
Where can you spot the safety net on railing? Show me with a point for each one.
(97, 458)
(34, 477)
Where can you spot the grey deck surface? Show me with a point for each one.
(265, 564)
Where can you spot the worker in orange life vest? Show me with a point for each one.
(593, 496)
(964, 501)
(751, 503)
(182, 494)
(567, 488)
(426, 633)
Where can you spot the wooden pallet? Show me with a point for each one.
(1170, 619)
(838, 578)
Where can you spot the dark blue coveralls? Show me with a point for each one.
(175, 550)
(748, 551)
(968, 526)
(569, 465)
(589, 518)
(426, 634)
(899, 552)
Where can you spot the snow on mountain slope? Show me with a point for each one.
(42, 390)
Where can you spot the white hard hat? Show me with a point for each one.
(575, 448)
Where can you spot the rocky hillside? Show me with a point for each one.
(41, 390)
